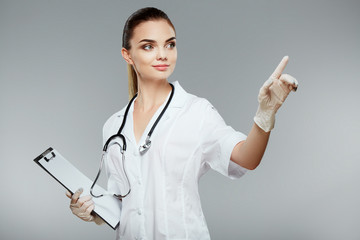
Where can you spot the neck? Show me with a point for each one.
(151, 94)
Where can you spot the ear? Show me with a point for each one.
(126, 55)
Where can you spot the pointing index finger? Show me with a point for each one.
(280, 68)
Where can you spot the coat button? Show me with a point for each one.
(139, 211)
(136, 153)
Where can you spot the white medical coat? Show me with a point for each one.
(164, 202)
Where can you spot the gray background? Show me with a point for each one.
(62, 76)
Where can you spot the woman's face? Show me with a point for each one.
(153, 50)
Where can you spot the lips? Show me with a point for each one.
(161, 67)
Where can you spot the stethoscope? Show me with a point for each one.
(142, 149)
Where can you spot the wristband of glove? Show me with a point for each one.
(265, 119)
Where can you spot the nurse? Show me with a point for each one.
(189, 139)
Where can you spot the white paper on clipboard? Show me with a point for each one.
(107, 207)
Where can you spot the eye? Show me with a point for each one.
(147, 47)
(171, 45)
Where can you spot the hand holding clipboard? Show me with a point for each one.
(107, 207)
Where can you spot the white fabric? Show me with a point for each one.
(164, 202)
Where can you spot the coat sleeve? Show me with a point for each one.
(218, 141)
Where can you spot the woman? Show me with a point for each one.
(189, 139)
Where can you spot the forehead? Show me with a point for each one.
(158, 30)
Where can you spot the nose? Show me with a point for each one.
(161, 54)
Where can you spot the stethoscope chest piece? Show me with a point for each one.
(144, 148)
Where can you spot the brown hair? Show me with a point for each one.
(141, 15)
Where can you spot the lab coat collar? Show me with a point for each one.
(179, 97)
(178, 100)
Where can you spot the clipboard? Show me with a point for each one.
(107, 207)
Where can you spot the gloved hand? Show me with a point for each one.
(272, 95)
(81, 206)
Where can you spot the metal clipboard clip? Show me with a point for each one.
(47, 155)
(47, 158)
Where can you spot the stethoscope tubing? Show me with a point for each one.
(143, 148)
(104, 155)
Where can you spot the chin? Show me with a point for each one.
(162, 75)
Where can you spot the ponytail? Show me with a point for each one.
(133, 86)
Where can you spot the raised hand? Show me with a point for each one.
(272, 95)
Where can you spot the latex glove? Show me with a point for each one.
(272, 95)
(81, 206)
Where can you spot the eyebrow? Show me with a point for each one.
(152, 41)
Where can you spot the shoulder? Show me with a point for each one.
(113, 121)
(199, 104)
(190, 101)
(202, 110)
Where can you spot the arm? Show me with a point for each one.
(272, 94)
(248, 153)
